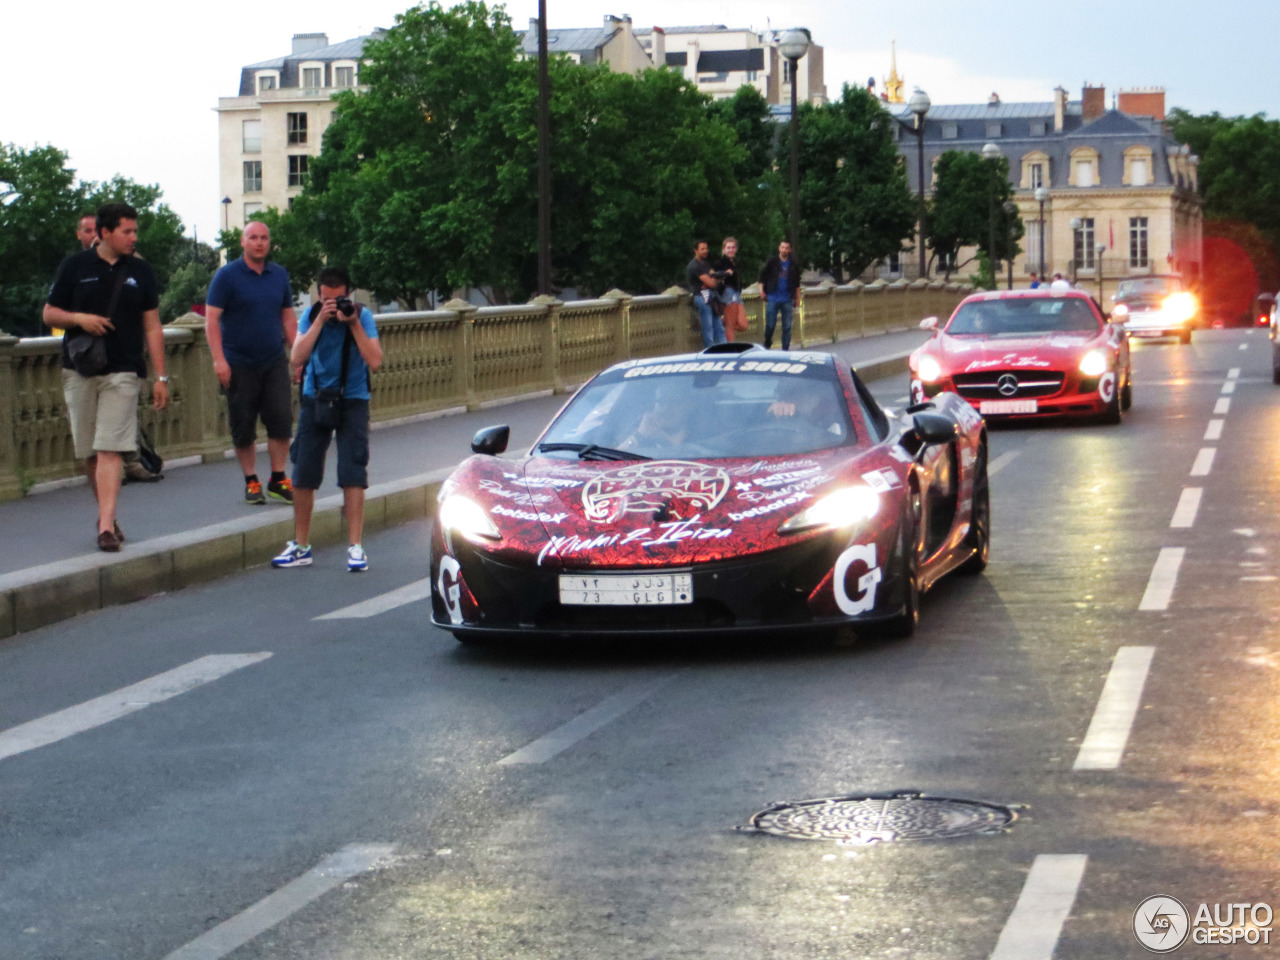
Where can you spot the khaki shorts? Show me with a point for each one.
(103, 412)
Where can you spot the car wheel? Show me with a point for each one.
(1111, 413)
(1126, 395)
(1275, 369)
(903, 625)
(979, 536)
(1185, 337)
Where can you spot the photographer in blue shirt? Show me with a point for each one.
(332, 404)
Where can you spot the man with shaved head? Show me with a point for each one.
(250, 324)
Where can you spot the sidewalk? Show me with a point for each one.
(193, 526)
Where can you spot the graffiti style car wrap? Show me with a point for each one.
(1027, 353)
(781, 495)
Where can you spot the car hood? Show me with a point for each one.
(972, 354)
(661, 512)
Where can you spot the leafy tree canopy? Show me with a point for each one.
(968, 208)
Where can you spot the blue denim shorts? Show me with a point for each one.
(311, 445)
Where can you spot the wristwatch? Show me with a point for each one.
(162, 379)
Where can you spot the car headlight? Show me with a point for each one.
(842, 508)
(1094, 363)
(1120, 310)
(1180, 306)
(929, 369)
(468, 519)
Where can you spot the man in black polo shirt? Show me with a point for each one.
(103, 409)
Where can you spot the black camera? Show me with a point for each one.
(345, 306)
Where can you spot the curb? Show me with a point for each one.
(43, 595)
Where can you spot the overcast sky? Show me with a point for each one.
(131, 88)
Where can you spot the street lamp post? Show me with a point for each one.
(1100, 249)
(991, 153)
(544, 156)
(919, 105)
(1076, 224)
(226, 213)
(1010, 208)
(1041, 196)
(793, 45)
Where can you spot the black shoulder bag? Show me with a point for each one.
(328, 408)
(86, 351)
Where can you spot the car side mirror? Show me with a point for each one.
(491, 441)
(934, 428)
(929, 323)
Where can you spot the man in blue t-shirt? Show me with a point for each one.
(332, 404)
(780, 281)
(249, 321)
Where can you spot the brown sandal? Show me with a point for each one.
(108, 542)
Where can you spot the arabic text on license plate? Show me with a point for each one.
(626, 590)
(1007, 406)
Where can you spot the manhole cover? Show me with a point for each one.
(882, 818)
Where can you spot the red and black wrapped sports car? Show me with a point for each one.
(732, 490)
(1027, 353)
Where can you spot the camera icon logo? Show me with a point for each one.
(1161, 924)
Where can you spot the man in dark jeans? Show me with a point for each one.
(702, 284)
(780, 280)
(249, 322)
(331, 327)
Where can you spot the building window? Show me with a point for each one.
(252, 176)
(250, 209)
(1039, 128)
(753, 76)
(1031, 244)
(1035, 175)
(1084, 168)
(266, 81)
(713, 77)
(950, 131)
(1084, 173)
(252, 136)
(298, 169)
(995, 129)
(297, 124)
(1084, 244)
(786, 70)
(312, 77)
(344, 76)
(895, 263)
(1138, 253)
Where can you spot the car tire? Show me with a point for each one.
(903, 625)
(979, 536)
(1275, 371)
(1111, 414)
(1126, 394)
(1184, 337)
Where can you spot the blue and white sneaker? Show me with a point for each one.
(292, 556)
(357, 562)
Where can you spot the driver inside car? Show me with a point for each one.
(809, 409)
(664, 428)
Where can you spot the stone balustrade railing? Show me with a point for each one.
(459, 355)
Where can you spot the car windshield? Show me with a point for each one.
(1023, 316)
(688, 410)
(1146, 287)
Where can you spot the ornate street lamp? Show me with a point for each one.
(793, 45)
(919, 104)
(226, 213)
(991, 153)
(1041, 196)
(1100, 248)
(544, 156)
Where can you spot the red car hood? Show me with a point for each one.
(974, 354)
(660, 512)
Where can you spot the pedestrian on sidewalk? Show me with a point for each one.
(702, 285)
(338, 346)
(1060, 284)
(780, 281)
(249, 323)
(108, 292)
(730, 289)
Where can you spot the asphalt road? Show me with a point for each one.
(373, 790)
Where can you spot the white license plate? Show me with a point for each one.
(1007, 406)
(626, 590)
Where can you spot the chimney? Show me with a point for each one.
(993, 100)
(1093, 103)
(1059, 108)
(1143, 102)
(306, 42)
(659, 50)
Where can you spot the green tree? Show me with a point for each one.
(968, 209)
(160, 232)
(39, 204)
(855, 205)
(1198, 132)
(1240, 174)
(187, 287)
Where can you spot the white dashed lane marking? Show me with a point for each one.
(585, 724)
(410, 593)
(1000, 462)
(1222, 406)
(1032, 930)
(1104, 744)
(1233, 373)
(1203, 462)
(112, 706)
(1214, 430)
(1164, 577)
(232, 934)
(1184, 515)
(1229, 386)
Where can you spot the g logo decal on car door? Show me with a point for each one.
(1107, 387)
(867, 583)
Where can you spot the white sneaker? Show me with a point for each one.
(292, 556)
(357, 562)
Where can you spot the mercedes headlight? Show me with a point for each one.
(929, 369)
(468, 519)
(842, 508)
(1094, 363)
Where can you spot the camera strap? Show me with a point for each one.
(347, 340)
